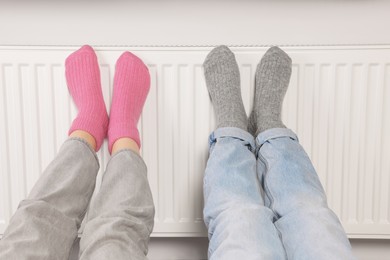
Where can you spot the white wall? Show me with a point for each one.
(198, 22)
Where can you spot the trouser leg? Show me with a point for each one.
(239, 225)
(45, 224)
(309, 229)
(120, 219)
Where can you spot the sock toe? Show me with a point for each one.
(218, 55)
(82, 52)
(86, 48)
(128, 56)
(276, 54)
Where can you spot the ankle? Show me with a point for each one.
(85, 136)
(125, 143)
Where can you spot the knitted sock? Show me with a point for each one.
(131, 87)
(83, 79)
(223, 83)
(272, 79)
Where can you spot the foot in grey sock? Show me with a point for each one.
(223, 83)
(272, 79)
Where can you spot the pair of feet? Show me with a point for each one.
(271, 82)
(131, 87)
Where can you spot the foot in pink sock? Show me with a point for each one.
(83, 78)
(131, 87)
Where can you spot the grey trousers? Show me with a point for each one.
(119, 222)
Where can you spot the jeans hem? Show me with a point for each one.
(233, 132)
(274, 133)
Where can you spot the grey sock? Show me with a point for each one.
(272, 79)
(223, 83)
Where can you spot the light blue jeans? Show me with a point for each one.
(264, 200)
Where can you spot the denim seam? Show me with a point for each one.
(245, 142)
(268, 194)
(236, 133)
(281, 241)
(271, 137)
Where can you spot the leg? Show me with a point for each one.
(309, 229)
(46, 223)
(121, 218)
(239, 225)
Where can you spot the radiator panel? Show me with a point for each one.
(338, 102)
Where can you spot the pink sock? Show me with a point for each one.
(131, 87)
(83, 78)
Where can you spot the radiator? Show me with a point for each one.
(338, 102)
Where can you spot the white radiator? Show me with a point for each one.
(338, 102)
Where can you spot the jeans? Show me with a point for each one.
(264, 200)
(119, 222)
